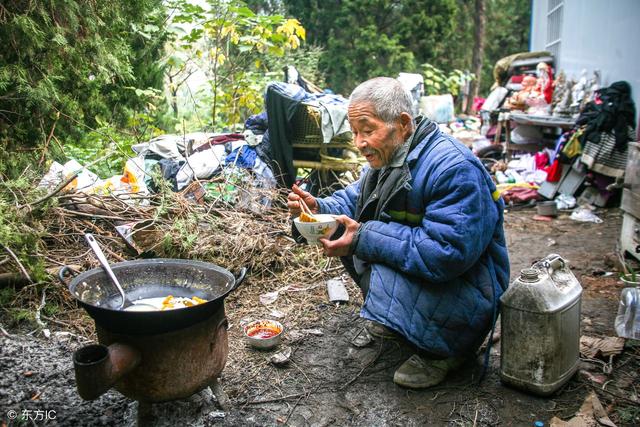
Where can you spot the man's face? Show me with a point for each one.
(375, 139)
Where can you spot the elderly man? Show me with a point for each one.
(423, 234)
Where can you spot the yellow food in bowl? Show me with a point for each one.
(307, 218)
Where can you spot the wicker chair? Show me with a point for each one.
(309, 150)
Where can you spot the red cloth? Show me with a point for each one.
(478, 103)
(220, 139)
(520, 195)
(554, 172)
(541, 159)
(548, 89)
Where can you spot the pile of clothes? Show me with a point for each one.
(597, 145)
(179, 160)
(264, 147)
(608, 124)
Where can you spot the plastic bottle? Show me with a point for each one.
(514, 175)
(627, 323)
(501, 177)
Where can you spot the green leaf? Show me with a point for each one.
(59, 39)
(243, 11)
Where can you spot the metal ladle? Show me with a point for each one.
(126, 302)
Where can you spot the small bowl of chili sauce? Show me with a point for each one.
(264, 334)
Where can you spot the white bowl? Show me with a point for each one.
(312, 231)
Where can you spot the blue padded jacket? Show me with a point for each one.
(435, 245)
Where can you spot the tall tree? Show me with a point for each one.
(66, 63)
(479, 19)
(230, 44)
(365, 38)
(267, 7)
(507, 33)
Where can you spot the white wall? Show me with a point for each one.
(596, 34)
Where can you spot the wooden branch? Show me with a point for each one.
(88, 215)
(39, 310)
(11, 279)
(48, 140)
(186, 78)
(617, 396)
(55, 190)
(294, 407)
(17, 260)
(221, 396)
(276, 399)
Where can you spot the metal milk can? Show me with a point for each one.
(540, 322)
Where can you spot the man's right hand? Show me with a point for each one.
(293, 203)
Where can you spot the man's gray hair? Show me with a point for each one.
(387, 97)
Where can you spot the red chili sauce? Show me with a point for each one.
(262, 333)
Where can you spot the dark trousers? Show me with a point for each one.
(362, 280)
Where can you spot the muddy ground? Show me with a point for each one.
(330, 382)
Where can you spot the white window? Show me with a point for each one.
(554, 26)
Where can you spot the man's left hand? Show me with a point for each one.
(341, 246)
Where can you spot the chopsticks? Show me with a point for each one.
(304, 208)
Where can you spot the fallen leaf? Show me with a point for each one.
(591, 414)
(593, 347)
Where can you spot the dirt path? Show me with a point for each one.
(330, 382)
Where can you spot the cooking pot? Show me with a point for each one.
(549, 208)
(153, 356)
(152, 278)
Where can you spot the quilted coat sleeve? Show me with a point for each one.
(342, 202)
(459, 220)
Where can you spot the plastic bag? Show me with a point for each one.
(438, 108)
(584, 214)
(85, 179)
(565, 201)
(53, 177)
(134, 175)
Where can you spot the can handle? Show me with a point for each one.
(65, 271)
(553, 262)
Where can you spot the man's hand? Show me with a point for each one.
(296, 194)
(341, 246)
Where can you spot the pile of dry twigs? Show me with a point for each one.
(173, 225)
